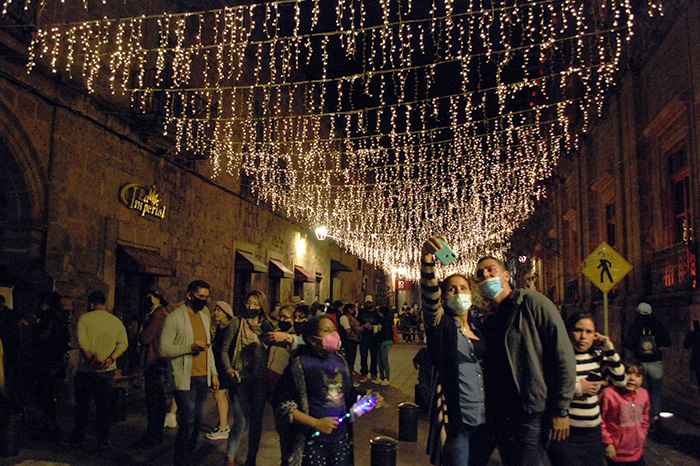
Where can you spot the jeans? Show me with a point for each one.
(639, 462)
(248, 405)
(350, 353)
(372, 348)
(521, 438)
(384, 349)
(583, 447)
(45, 393)
(191, 404)
(155, 401)
(467, 448)
(97, 385)
(654, 383)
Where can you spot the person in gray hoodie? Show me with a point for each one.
(529, 370)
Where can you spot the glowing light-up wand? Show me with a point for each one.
(363, 405)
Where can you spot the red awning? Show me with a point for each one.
(247, 262)
(137, 260)
(279, 270)
(302, 275)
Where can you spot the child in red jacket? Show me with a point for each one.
(625, 418)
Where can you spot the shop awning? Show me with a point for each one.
(337, 266)
(303, 275)
(247, 262)
(137, 260)
(279, 270)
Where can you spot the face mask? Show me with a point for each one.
(299, 327)
(198, 304)
(491, 287)
(331, 342)
(251, 313)
(285, 326)
(458, 304)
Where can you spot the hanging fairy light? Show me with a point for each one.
(385, 121)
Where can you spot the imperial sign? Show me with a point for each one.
(144, 200)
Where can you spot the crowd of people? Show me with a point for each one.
(516, 377)
(289, 356)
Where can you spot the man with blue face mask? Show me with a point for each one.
(531, 367)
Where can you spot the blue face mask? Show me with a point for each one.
(458, 304)
(491, 287)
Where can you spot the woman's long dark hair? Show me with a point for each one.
(262, 299)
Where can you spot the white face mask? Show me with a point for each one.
(458, 304)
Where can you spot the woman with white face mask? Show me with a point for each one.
(457, 434)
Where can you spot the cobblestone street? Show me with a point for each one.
(677, 443)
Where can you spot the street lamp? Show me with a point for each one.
(322, 233)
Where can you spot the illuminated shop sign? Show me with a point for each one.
(143, 200)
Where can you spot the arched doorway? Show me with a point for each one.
(15, 215)
(22, 209)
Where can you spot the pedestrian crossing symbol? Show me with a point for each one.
(605, 267)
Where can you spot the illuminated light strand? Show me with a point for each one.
(384, 174)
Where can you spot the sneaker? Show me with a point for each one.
(363, 378)
(218, 433)
(374, 379)
(385, 382)
(170, 420)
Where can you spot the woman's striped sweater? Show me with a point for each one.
(604, 362)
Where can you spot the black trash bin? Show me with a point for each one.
(383, 451)
(408, 422)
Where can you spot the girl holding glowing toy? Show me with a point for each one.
(315, 401)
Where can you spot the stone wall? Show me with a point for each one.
(624, 160)
(75, 158)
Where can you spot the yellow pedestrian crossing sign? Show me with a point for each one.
(605, 267)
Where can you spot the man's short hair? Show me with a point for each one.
(485, 258)
(97, 297)
(196, 285)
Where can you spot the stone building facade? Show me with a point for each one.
(73, 217)
(634, 184)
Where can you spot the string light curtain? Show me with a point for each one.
(385, 121)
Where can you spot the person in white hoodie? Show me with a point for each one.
(186, 342)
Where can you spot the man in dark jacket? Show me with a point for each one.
(369, 343)
(10, 334)
(645, 338)
(692, 342)
(530, 368)
(50, 339)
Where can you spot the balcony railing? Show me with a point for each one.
(674, 269)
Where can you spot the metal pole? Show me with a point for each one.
(605, 311)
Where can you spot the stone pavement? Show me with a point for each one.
(677, 443)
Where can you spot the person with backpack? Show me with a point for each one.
(645, 338)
